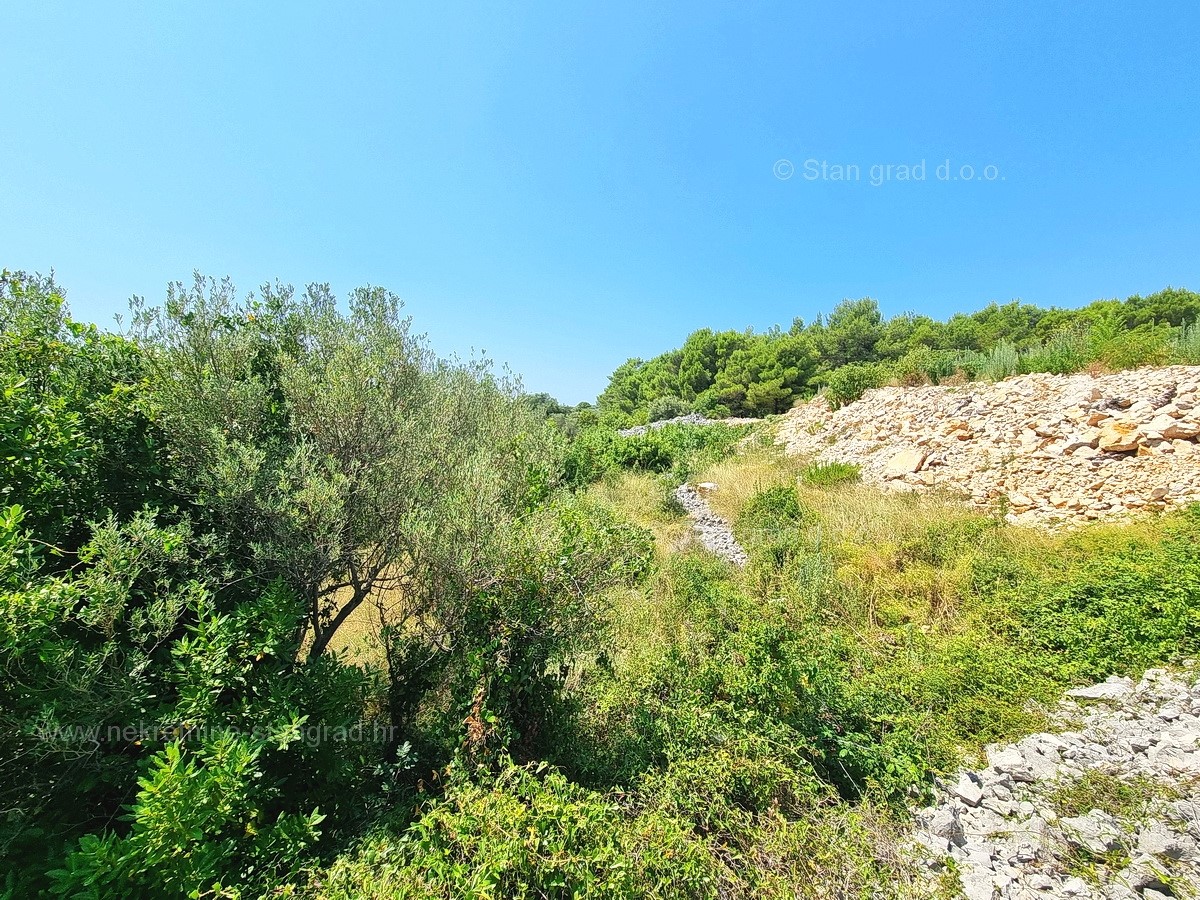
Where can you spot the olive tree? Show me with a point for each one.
(337, 449)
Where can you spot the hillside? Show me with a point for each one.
(291, 607)
(1051, 448)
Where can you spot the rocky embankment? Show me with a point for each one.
(1009, 829)
(1056, 449)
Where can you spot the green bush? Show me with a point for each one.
(680, 449)
(1142, 346)
(1121, 606)
(528, 833)
(848, 383)
(1185, 344)
(1064, 352)
(830, 474)
(1002, 361)
(667, 408)
(923, 365)
(199, 825)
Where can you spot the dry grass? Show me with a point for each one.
(899, 557)
(639, 497)
(641, 625)
(741, 477)
(849, 513)
(358, 639)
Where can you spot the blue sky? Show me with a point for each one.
(566, 185)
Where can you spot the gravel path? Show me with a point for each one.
(714, 532)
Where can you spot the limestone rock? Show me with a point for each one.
(1013, 846)
(1116, 437)
(1096, 832)
(905, 462)
(1108, 690)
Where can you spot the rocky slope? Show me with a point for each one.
(1004, 829)
(1055, 449)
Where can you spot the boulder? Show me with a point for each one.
(945, 823)
(1185, 430)
(1106, 690)
(1010, 761)
(1157, 839)
(967, 790)
(1119, 436)
(906, 462)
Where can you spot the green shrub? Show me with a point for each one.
(201, 822)
(943, 543)
(1121, 606)
(1145, 345)
(528, 833)
(830, 474)
(1002, 361)
(923, 365)
(1185, 344)
(680, 449)
(667, 408)
(970, 363)
(1064, 352)
(848, 383)
(773, 509)
(770, 526)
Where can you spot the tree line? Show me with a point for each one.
(744, 373)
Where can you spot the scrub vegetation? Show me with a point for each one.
(206, 516)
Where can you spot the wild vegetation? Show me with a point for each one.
(854, 349)
(568, 700)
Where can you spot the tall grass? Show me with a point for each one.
(1002, 361)
(1061, 354)
(1185, 344)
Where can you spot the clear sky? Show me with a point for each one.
(566, 185)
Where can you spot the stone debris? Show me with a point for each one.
(998, 827)
(713, 532)
(1052, 449)
(689, 419)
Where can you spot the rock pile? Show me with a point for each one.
(1056, 448)
(1000, 827)
(711, 530)
(689, 419)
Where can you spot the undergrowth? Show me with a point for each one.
(760, 732)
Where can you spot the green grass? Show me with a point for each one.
(830, 474)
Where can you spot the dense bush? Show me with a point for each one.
(848, 383)
(191, 515)
(667, 408)
(528, 833)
